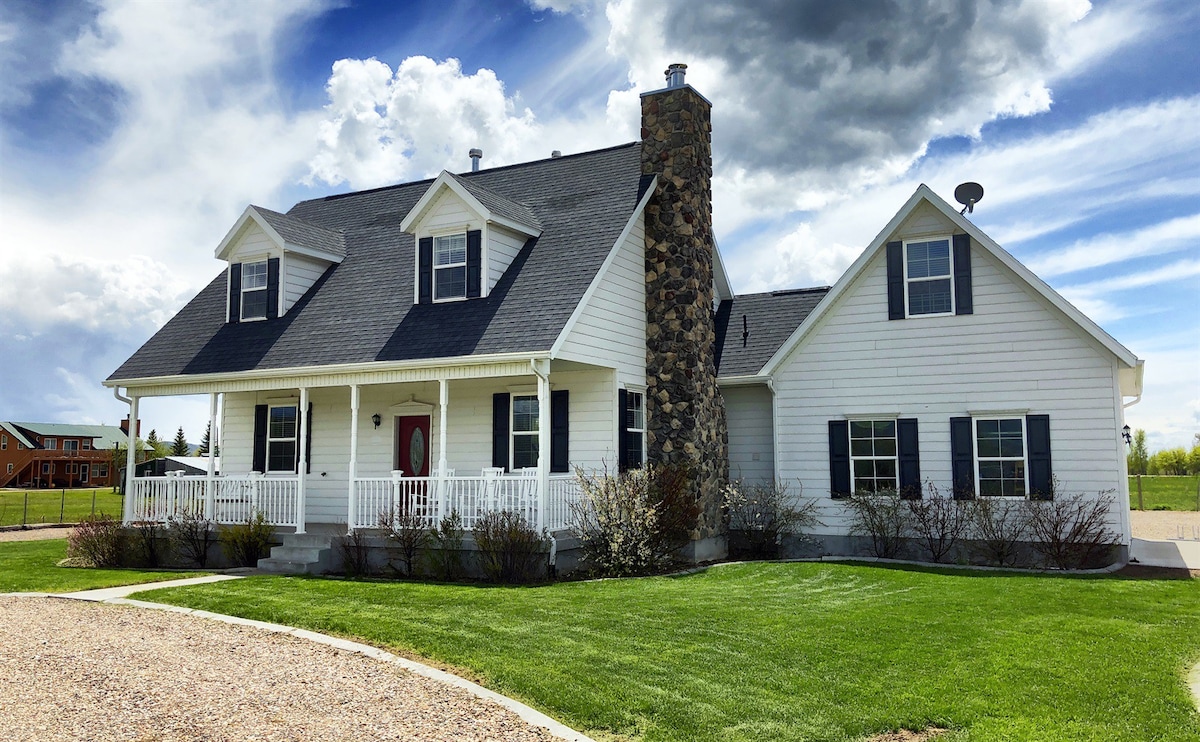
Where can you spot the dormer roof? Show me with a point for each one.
(490, 205)
(288, 233)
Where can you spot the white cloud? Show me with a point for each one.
(1165, 237)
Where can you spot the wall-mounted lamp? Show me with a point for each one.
(1125, 434)
(376, 419)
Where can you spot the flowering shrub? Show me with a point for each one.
(98, 541)
(761, 514)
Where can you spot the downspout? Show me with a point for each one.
(544, 483)
(130, 460)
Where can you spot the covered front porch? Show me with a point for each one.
(358, 449)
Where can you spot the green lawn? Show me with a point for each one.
(45, 506)
(1167, 493)
(29, 566)
(797, 651)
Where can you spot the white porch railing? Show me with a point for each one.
(433, 498)
(234, 498)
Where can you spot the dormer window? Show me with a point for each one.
(254, 290)
(450, 267)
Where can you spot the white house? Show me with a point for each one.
(464, 343)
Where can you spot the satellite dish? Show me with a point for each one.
(968, 194)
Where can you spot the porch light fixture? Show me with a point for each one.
(1125, 434)
(377, 419)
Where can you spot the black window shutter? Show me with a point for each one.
(272, 288)
(962, 458)
(963, 303)
(622, 430)
(907, 448)
(474, 263)
(235, 292)
(500, 430)
(839, 458)
(560, 432)
(260, 438)
(425, 271)
(895, 280)
(1041, 475)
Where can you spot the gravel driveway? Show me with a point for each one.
(73, 671)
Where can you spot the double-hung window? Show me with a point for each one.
(70, 445)
(281, 438)
(928, 273)
(873, 455)
(3, 442)
(50, 444)
(635, 428)
(450, 267)
(524, 431)
(87, 445)
(1000, 457)
(254, 290)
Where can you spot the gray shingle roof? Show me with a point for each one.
(499, 205)
(302, 234)
(362, 310)
(770, 320)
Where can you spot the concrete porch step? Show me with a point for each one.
(299, 554)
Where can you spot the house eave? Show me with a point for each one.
(752, 380)
(412, 220)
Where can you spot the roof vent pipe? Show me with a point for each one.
(675, 75)
(476, 155)
(556, 153)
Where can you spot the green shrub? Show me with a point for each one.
(407, 530)
(355, 554)
(510, 549)
(247, 542)
(761, 514)
(145, 543)
(882, 517)
(447, 538)
(98, 541)
(636, 522)
(937, 523)
(1071, 531)
(191, 535)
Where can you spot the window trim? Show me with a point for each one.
(894, 458)
(434, 267)
(975, 420)
(949, 276)
(67, 443)
(641, 394)
(50, 444)
(10, 468)
(295, 438)
(513, 432)
(3, 442)
(265, 288)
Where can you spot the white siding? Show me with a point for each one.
(253, 244)
(611, 331)
(1016, 352)
(502, 246)
(448, 211)
(469, 430)
(751, 440)
(299, 274)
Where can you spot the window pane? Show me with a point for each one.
(885, 468)
(860, 429)
(927, 259)
(633, 450)
(525, 414)
(885, 428)
(990, 487)
(989, 469)
(860, 448)
(929, 297)
(525, 451)
(254, 275)
(635, 415)
(282, 423)
(281, 456)
(450, 282)
(885, 447)
(1013, 469)
(864, 468)
(1011, 426)
(450, 250)
(987, 427)
(989, 447)
(254, 304)
(1011, 447)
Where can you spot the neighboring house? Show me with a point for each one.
(186, 465)
(467, 342)
(59, 455)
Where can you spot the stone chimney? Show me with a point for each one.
(685, 414)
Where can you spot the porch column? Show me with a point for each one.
(302, 460)
(442, 484)
(542, 370)
(210, 484)
(130, 461)
(351, 505)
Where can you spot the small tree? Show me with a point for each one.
(180, 446)
(158, 449)
(1139, 455)
(205, 442)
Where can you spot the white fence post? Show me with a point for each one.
(397, 475)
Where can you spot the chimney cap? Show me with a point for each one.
(556, 153)
(675, 74)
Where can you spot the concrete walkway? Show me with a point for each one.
(102, 595)
(1174, 554)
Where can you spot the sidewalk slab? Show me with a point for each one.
(1174, 554)
(110, 593)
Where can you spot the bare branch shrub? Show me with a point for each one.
(191, 535)
(410, 535)
(247, 542)
(881, 516)
(145, 543)
(355, 554)
(510, 548)
(635, 522)
(998, 526)
(937, 523)
(1071, 531)
(97, 541)
(762, 514)
(447, 537)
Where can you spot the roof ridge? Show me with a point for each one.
(783, 292)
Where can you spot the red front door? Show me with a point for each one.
(412, 445)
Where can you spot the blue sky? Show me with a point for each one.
(132, 135)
